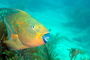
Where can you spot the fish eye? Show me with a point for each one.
(32, 26)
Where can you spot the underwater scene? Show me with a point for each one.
(44, 29)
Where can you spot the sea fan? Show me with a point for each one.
(47, 53)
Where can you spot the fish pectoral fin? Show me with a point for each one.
(14, 36)
(10, 30)
(15, 44)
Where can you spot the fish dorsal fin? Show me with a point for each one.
(10, 30)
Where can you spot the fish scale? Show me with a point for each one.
(4, 12)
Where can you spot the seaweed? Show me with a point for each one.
(26, 54)
(55, 39)
(15, 58)
(47, 53)
(32, 53)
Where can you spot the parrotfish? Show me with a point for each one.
(23, 31)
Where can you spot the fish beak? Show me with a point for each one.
(46, 37)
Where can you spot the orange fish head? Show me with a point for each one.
(33, 33)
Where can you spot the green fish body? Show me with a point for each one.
(23, 31)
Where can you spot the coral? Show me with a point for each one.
(74, 52)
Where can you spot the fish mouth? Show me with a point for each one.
(46, 37)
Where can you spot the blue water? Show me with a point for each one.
(70, 18)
